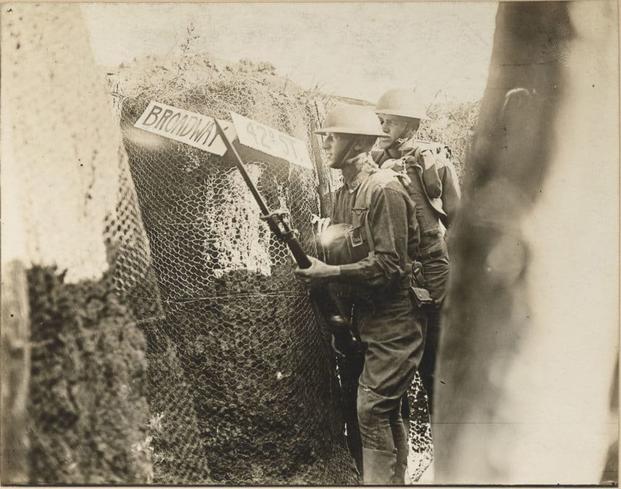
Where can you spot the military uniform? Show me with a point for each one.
(432, 185)
(383, 221)
(377, 223)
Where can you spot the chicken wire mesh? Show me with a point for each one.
(173, 441)
(239, 342)
(242, 382)
(420, 455)
(83, 410)
(238, 377)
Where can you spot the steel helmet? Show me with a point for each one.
(352, 119)
(401, 102)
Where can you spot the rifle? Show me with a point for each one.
(275, 220)
(335, 318)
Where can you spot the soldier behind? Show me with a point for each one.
(432, 185)
(375, 231)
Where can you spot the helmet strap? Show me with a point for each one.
(408, 133)
(347, 154)
(400, 141)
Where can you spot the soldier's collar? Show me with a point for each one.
(407, 146)
(398, 148)
(366, 167)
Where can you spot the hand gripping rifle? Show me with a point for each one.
(336, 318)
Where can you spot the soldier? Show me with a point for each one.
(432, 185)
(372, 235)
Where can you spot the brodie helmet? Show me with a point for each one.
(403, 103)
(352, 119)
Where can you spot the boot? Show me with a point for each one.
(378, 466)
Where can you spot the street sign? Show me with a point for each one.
(181, 125)
(268, 140)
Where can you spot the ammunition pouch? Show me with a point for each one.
(421, 298)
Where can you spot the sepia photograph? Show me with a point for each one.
(310, 243)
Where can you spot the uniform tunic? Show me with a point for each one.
(385, 317)
(435, 192)
(374, 380)
(436, 195)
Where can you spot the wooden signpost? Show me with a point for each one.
(184, 126)
(199, 131)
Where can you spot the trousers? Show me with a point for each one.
(349, 368)
(436, 273)
(391, 328)
(427, 367)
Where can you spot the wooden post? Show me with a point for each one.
(15, 373)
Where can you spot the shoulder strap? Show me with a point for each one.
(364, 197)
(367, 226)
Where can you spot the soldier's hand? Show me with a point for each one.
(317, 272)
(398, 165)
(395, 164)
(404, 179)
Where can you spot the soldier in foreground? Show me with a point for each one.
(373, 233)
(432, 184)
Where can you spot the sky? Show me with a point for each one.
(357, 50)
